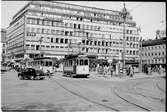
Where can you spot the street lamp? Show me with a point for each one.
(40, 49)
(124, 14)
(140, 53)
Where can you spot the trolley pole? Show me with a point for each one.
(124, 16)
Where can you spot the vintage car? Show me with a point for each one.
(31, 74)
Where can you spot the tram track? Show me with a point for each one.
(131, 102)
(157, 85)
(147, 98)
(83, 97)
(132, 105)
(106, 105)
(146, 91)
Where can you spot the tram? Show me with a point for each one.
(44, 63)
(76, 65)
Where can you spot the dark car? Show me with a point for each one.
(31, 74)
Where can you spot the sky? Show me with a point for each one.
(147, 15)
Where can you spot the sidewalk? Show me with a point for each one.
(95, 75)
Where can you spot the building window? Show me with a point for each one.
(66, 33)
(61, 40)
(127, 38)
(51, 40)
(152, 54)
(106, 43)
(37, 47)
(133, 52)
(83, 41)
(57, 40)
(130, 52)
(95, 43)
(99, 43)
(75, 26)
(87, 42)
(86, 49)
(102, 43)
(66, 41)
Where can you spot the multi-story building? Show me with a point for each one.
(3, 45)
(154, 52)
(55, 29)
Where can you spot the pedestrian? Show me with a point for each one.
(160, 69)
(128, 70)
(131, 71)
(149, 70)
(105, 70)
(111, 70)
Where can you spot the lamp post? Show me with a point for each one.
(40, 49)
(140, 51)
(124, 16)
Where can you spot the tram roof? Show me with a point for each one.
(81, 55)
(42, 58)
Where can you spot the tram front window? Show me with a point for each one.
(81, 62)
(50, 63)
(70, 62)
(86, 62)
(46, 63)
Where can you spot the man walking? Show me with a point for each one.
(131, 71)
(111, 70)
(105, 70)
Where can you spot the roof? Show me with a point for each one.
(154, 42)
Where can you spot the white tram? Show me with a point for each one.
(76, 65)
(45, 64)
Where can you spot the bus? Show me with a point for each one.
(44, 63)
(76, 65)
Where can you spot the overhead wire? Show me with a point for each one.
(137, 6)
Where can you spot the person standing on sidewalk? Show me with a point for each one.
(131, 71)
(111, 70)
(160, 69)
(105, 70)
(149, 70)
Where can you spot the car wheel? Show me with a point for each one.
(20, 77)
(31, 77)
(38, 76)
